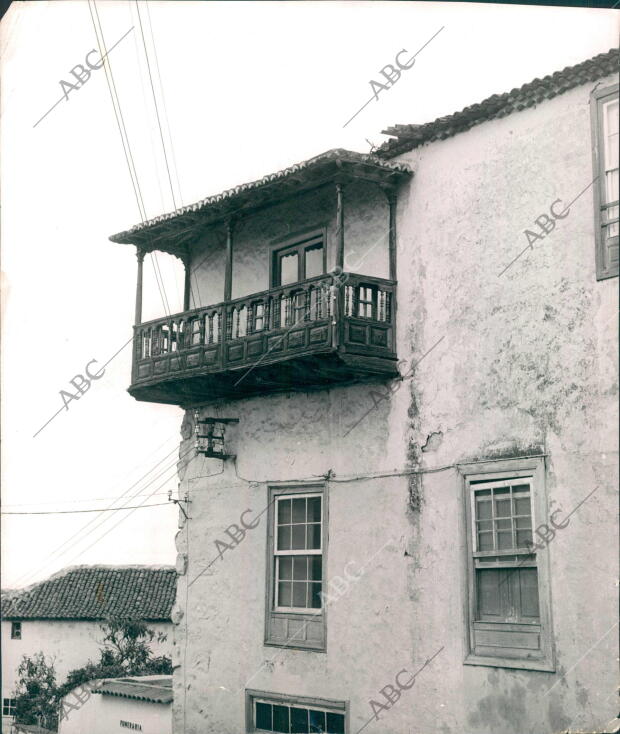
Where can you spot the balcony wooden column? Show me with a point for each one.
(229, 257)
(138, 315)
(339, 226)
(187, 287)
(391, 196)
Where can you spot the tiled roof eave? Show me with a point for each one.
(409, 137)
(95, 593)
(271, 187)
(152, 699)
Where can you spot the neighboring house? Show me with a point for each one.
(435, 553)
(61, 617)
(138, 703)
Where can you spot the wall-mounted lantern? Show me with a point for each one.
(210, 436)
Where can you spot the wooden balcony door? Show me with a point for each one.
(294, 263)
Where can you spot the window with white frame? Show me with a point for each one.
(604, 108)
(509, 600)
(298, 553)
(296, 573)
(8, 706)
(277, 713)
(506, 583)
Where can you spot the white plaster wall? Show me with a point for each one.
(527, 363)
(366, 220)
(102, 715)
(70, 643)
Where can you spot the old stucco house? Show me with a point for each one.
(61, 617)
(399, 458)
(135, 703)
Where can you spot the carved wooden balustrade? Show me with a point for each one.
(283, 338)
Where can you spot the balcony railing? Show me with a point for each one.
(351, 317)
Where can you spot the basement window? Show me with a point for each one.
(278, 713)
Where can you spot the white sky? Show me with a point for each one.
(249, 88)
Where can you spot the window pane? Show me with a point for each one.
(300, 567)
(299, 537)
(299, 721)
(314, 537)
(286, 567)
(284, 594)
(284, 538)
(314, 509)
(524, 538)
(488, 592)
(284, 511)
(485, 541)
(524, 531)
(610, 131)
(335, 723)
(314, 261)
(317, 721)
(299, 510)
(316, 570)
(522, 505)
(504, 540)
(315, 601)
(528, 582)
(280, 719)
(502, 508)
(483, 510)
(288, 268)
(263, 716)
(300, 590)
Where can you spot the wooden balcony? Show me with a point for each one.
(312, 334)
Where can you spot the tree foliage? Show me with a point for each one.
(35, 693)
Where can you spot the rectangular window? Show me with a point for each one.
(8, 706)
(604, 112)
(295, 615)
(278, 713)
(298, 561)
(16, 630)
(509, 601)
(298, 261)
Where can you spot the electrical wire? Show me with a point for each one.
(124, 137)
(163, 99)
(122, 519)
(70, 544)
(35, 573)
(161, 134)
(73, 512)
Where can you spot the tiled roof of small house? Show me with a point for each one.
(156, 689)
(96, 592)
(408, 137)
(300, 177)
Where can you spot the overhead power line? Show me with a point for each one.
(99, 509)
(120, 121)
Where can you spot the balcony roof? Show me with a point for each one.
(168, 232)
